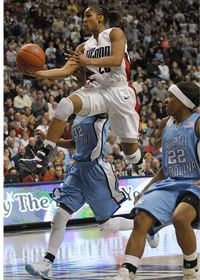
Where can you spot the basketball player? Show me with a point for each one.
(90, 179)
(172, 196)
(107, 91)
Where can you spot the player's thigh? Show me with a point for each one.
(93, 101)
(187, 210)
(158, 203)
(123, 118)
(101, 190)
(71, 195)
(125, 125)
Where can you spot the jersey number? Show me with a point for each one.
(104, 70)
(78, 132)
(177, 156)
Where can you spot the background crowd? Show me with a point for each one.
(163, 47)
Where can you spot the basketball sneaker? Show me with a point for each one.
(191, 274)
(140, 167)
(42, 269)
(123, 274)
(153, 240)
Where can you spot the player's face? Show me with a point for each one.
(91, 20)
(173, 105)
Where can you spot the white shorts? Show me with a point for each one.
(119, 102)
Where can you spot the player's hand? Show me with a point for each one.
(77, 57)
(137, 195)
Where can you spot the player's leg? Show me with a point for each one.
(124, 122)
(85, 102)
(135, 246)
(155, 209)
(183, 217)
(58, 226)
(70, 199)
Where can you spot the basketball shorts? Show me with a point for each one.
(160, 200)
(93, 183)
(119, 102)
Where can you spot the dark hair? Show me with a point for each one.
(191, 90)
(111, 18)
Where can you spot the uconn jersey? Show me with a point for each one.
(180, 155)
(102, 48)
(89, 135)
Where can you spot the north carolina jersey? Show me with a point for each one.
(179, 150)
(102, 48)
(89, 135)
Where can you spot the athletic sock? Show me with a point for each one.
(131, 263)
(190, 261)
(49, 257)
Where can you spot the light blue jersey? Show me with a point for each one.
(89, 135)
(179, 150)
(90, 179)
(181, 169)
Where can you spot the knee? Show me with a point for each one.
(82, 104)
(179, 220)
(60, 219)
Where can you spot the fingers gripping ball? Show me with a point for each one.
(30, 58)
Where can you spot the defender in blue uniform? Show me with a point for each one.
(90, 179)
(173, 195)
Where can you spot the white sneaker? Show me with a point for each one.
(42, 269)
(123, 274)
(153, 240)
(191, 274)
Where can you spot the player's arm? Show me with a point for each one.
(67, 144)
(69, 68)
(157, 177)
(158, 140)
(117, 52)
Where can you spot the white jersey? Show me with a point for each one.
(102, 48)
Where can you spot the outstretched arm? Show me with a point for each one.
(69, 68)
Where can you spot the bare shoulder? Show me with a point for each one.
(117, 32)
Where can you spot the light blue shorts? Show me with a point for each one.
(160, 200)
(95, 183)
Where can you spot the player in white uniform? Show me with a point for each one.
(108, 90)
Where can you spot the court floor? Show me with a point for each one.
(89, 254)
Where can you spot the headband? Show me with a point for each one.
(181, 96)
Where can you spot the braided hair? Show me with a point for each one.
(111, 18)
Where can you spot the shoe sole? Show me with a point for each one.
(29, 268)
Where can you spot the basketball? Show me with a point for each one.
(30, 58)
